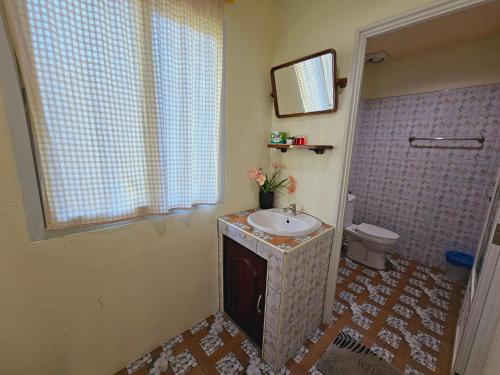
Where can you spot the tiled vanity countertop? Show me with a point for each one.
(297, 270)
(284, 243)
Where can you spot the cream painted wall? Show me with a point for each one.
(89, 303)
(461, 65)
(302, 28)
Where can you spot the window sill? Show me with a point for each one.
(47, 234)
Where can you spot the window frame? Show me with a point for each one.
(25, 155)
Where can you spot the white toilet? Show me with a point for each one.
(367, 243)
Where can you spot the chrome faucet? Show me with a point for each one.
(292, 208)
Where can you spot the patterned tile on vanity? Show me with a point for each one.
(294, 267)
(283, 244)
(272, 310)
(290, 307)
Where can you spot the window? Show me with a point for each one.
(125, 99)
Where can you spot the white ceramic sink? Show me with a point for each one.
(276, 221)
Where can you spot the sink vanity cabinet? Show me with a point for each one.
(245, 288)
(273, 287)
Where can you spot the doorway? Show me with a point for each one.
(433, 253)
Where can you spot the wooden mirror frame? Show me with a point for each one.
(336, 82)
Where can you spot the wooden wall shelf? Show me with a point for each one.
(318, 149)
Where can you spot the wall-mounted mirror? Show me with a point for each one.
(306, 86)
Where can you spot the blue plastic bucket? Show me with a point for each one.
(458, 265)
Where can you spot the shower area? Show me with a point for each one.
(427, 143)
(433, 193)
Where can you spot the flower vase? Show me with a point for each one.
(266, 199)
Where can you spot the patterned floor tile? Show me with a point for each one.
(385, 354)
(183, 362)
(378, 320)
(433, 326)
(368, 272)
(250, 349)
(436, 313)
(300, 353)
(412, 291)
(397, 323)
(442, 293)
(344, 272)
(444, 285)
(356, 288)
(401, 269)
(362, 321)
(429, 341)
(411, 371)
(395, 274)
(416, 283)
(316, 335)
(339, 308)
(390, 337)
(390, 282)
(228, 364)
(346, 296)
(137, 364)
(231, 329)
(425, 359)
(440, 303)
(403, 311)
(334, 320)
(420, 275)
(378, 299)
(171, 343)
(363, 280)
(350, 264)
(314, 371)
(199, 326)
(370, 309)
(210, 343)
(385, 289)
(408, 300)
(355, 335)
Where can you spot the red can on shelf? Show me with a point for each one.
(300, 140)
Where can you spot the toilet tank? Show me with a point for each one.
(349, 210)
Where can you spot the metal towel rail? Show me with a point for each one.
(479, 139)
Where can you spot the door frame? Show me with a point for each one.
(427, 12)
(480, 311)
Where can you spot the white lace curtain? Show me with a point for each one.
(125, 100)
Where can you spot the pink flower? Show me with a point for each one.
(258, 176)
(292, 184)
(261, 179)
(254, 172)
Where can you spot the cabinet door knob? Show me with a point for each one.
(258, 304)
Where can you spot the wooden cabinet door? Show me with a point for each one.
(245, 288)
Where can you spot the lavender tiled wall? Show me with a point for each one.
(435, 196)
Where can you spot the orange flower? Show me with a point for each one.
(292, 184)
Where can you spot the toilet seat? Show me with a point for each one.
(368, 244)
(376, 232)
